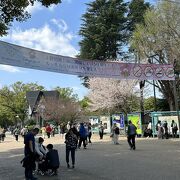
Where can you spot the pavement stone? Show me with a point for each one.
(153, 160)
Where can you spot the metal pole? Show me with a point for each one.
(154, 89)
(176, 104)
(155, 102)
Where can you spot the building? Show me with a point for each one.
(36, 101)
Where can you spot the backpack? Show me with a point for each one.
(116, 130)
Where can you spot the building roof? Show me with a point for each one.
(33, 97)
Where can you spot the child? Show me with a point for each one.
(52, 159)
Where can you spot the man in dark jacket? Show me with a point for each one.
(131, 134)
(29, 151)
(82, 135)
(52, 159)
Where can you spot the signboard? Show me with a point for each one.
(119, 120)
(136, 120)
(29, 58)
(94, 120)
(105, 120)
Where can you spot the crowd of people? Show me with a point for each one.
(34, 151)
(45, 160)
(163, 130)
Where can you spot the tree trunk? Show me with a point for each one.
(166, 88)
(171, 104)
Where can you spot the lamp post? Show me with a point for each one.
(41, 108)
(154, 88)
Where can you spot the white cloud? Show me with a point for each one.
(45, 39)
(38, 7)
(31, 9)
(52, 7)
(9, 68)
(61, 24)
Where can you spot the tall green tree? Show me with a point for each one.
(161, 104)
(66, 93)
(102, 30)
(13, 99)
(137, 9)
(11, 10)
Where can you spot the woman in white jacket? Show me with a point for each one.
(41, 154)
(39, 148)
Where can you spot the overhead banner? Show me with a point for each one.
(28, 58)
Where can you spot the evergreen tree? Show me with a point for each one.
(137, 9)
(102, 30)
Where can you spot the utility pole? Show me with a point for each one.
(150, 60)
(141, 84)
(176, 103)
(155, 102)
(176, 98)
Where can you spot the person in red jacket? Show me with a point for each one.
(48, 130)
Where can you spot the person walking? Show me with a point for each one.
(59, 129)
(82, 135)
(131, 134)
(71, 144)
(165, 126)
(115, 134)
(174, 129)
(17, 133)
(43, 131)
(29, 152)
(24, 131)
(149, 129)
(63, 130)
(160, 130)
(48, 130)
(75, 131)
(89, 132)
(101, 131)
(3, 134)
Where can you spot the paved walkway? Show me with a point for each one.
(153, 160)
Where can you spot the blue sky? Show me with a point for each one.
(54, 30)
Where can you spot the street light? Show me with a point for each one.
(41, 108)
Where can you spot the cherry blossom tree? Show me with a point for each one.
(111, 94)
(61, 110)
